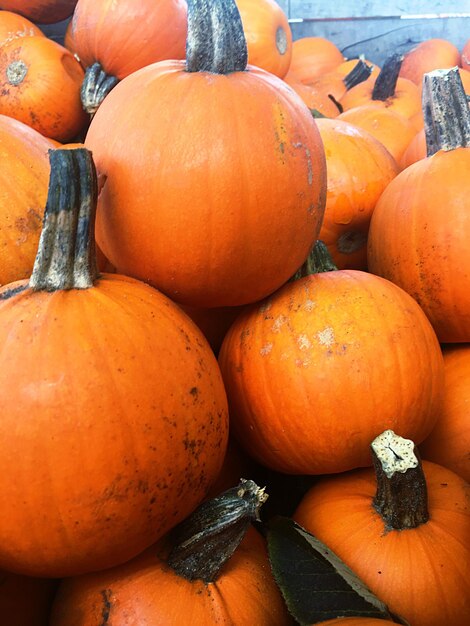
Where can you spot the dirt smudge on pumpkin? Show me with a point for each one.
(326, 337)
(27, 224)
(279, 322)
(303, 342)
(266, 349)
(107, 606)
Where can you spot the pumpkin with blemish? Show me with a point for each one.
(24, 174)
(333, 358)
(240, 190)
(13, 25)
(111, 398)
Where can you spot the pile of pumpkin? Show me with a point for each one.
(212, 181)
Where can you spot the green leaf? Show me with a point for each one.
(315, 583)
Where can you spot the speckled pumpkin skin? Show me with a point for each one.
(114, 424)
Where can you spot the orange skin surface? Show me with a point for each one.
(415, 151)
(116, 406)
(314, 56)
(24, 178)
(146, 592)
(13, 25)
(422, 573)
(42, 11)
(217, 201)
(268, 35)
(449, 442)
(358, 169)
(418, 239)
(320, 368)
(127, 35)
(47, 95)
(315, 99)
(392, 129)
(431, 54)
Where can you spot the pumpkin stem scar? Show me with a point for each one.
(16, 72)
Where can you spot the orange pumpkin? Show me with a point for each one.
(358, 170)
(431, 54)
(25, 601)
(449, 442)
(393, 130)
(419, 231)
(13, 25)
(110, 395)
(40, 82)
(201, 576)
(405, 532)
(42, 11)
(218, 201)
(313, 56)
(24, 174)
(310, 384)
(268, 35)
(114, 39)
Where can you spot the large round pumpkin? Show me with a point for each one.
(215, 200)
(114, 415)
(24, 174)
(314, 372)
(405, 531)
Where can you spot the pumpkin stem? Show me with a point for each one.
(206, 540)
(386, 82)
(216, 40)
(401, 498)
(319, 260)
(446, 112)
(95, 87)
(66, 257)
(359, 73)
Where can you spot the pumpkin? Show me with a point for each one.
(201, 575)
(40, 82)
(389, 91)
(268, 35)
(403, 529)
(110, 394)
(431, 54)
(419, 231)
(25, 601)
(318, 369)
(319, 102)
(42, 11)
(449, 441)
(13, 25)
(337, 83)
(358, 169)
(210, 222)
(114, 39)
(24, 174)
(393, 130)
(312, 57)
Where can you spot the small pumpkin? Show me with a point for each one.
(312, 57)
(40, 82)
(226, 220)
(449, 441)
(403, 529)
(13, 25)
(318, 369)
(42, 11)
(268, 35)
(213, 569)
(110, 394)
(114, 39)
(419, 231)
(430, 54)
(24, 175)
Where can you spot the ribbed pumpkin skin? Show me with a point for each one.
(48, 97)
(315, 372)
(216, 201)
(418, 239)
(421, 573)
(42, 11)
(449, 442)
(147, 592)
(358, 169)
(13, 25)
(24, 176)
(268, 35)
(114, 402)
(127, 35)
